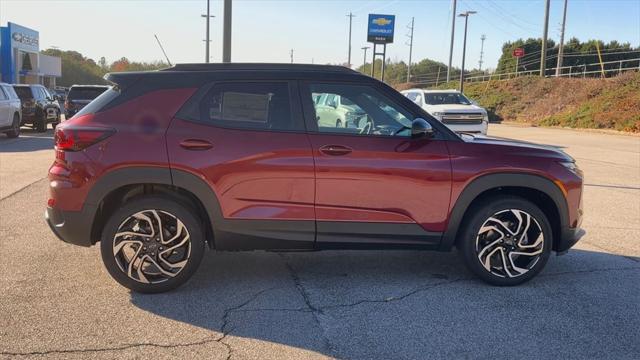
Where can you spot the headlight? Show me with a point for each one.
(485, 117)
(572, 166)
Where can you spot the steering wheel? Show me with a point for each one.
(366, 129)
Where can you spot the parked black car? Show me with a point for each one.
(39, 107)
(79, 96)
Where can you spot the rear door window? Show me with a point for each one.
(246, 105)
(3, 95)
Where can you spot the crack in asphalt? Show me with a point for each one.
(218, 339)
(307, 300)
(309, 308)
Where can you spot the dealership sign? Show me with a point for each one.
(380, 28)
(23, 38)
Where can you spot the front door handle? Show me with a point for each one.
(335, 150)
(195, 144)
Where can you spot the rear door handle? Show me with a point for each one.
(336, 150)
(195, 144)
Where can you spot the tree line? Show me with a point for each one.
(78, 69)
(577, 55)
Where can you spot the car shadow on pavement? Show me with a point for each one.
(402, 304)
(29, 140)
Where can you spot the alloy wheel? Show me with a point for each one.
(151, 246)
(510, 243)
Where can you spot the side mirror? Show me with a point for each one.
(421, 128)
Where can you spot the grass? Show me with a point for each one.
(612, 103)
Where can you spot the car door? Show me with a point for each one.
(247, 140)
(374, 183)
(6, 115)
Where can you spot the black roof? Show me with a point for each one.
(258, 67)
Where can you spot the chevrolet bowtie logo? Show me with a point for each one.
(381, 21)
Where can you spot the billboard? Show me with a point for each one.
(380, 28)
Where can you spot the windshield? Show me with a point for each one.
(85, 93)
(446, 98)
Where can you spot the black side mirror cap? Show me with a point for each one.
(421, 128)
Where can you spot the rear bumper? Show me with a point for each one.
(569, 237)
(73, 227)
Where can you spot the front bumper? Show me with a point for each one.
(568, 238)
(469, 128)
(73, 227)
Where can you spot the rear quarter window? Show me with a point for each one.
(100, 102)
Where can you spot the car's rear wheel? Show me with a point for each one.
(15, 127)
(506, 241)
(152, 244)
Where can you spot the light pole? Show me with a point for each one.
(350, 16)
(464, 45)
(453, 31)
(226, 32)
(207, 41)
(365, 48)
(545, 37)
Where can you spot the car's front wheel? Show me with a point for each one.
(152, 244)
(506, 241)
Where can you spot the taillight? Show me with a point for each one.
(79, 138)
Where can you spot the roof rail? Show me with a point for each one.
(257, 67)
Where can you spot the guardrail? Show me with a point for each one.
(586, 70)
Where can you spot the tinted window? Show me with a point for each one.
(247, 105)
(101, 101)
(363, 111)
(24, 92)
(85, 93)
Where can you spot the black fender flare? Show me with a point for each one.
(134, 175)
(494, 181)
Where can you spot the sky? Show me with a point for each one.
(317, 31)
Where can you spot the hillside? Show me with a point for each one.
(612, 103)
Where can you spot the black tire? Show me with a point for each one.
(338, 123)
(15, 127)
(40, 124)
(470, 242)
(161, 204)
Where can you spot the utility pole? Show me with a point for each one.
(464, 45)
(226, 33)
(410, 49)
(561, 46)
(543, 56)
(207, 41)
(350, 16)
(365, 48)
(483, 38)
(453, 30)
(291, 54)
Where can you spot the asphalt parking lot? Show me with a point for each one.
(57, 300)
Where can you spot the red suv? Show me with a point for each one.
(233, 157)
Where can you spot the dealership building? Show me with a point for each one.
(21, 61)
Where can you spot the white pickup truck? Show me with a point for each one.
(451, 108)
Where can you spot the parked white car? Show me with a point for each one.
(452, 108)
(10, 111)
